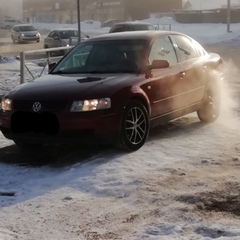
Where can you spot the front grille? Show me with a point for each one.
(51, 106)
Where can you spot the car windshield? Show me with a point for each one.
(68, 34)
(142, 27)
(110, 56)
(26, 28)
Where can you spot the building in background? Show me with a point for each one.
(65, 11)
(11, 8)
(207, 4)
(205, 11)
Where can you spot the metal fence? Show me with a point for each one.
(48, 59)
(161, 26)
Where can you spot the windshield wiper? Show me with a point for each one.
(57, 72)
(64, 72)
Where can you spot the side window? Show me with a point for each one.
(162, 49)
(51, 34)
(119, 28)
(185, 48)
(54, 34)
(201, 51)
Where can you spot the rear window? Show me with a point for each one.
(143, 27)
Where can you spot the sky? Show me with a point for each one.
(158, 192)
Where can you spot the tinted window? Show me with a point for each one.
(201, 51)
(10, 21)
(104, 57)
(53, 34)
(119, 28)
(142, 27)
(68, 34)
(185, 48)
(162, 49)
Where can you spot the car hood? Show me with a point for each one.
(74, 87)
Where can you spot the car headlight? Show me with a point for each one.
(90, 105)
(6, 104)
(38, 34)
(22, 34)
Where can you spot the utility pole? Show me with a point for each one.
(79, 20)
(228, 15)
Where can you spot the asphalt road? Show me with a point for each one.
(8, 48)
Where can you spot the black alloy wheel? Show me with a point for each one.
(135, 127)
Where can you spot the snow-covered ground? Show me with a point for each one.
(182, 184)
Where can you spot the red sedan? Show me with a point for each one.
(113, 88)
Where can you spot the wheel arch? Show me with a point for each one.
(142, 100)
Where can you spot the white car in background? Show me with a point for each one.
(9, 23)
(25, 33)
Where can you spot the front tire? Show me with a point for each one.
(210, 109)
(134, 128)
(13, 40)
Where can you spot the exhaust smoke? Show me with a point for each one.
(230, 93)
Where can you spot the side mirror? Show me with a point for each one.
(158, 64)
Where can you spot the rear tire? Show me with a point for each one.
(134, 128)
(48, 53)
(210, 109)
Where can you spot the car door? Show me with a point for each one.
(162, 89)
(193, 69)
(118, 28)
(47, 40)
(50, 41)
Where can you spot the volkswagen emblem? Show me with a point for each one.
(36, 107)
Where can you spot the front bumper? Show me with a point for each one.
(72, 127)
(26, 39)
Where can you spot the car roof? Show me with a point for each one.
(132, 35)
(65, 29)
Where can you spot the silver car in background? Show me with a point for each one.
(9, 23)
(25, 33)
(62, 37)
